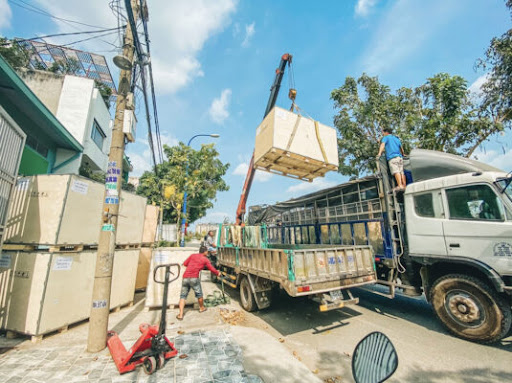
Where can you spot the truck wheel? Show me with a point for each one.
(470, 309)
(246, 297)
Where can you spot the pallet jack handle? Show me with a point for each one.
(165, 282)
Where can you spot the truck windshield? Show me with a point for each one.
(505, 185)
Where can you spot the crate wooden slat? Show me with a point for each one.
(287, 144)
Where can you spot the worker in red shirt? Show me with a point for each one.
(194, 264)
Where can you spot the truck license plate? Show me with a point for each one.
(336, 295)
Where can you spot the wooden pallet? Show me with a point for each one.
(148, 244)
(9, 334)
(128, 246)
(293, 165)
(48, 249)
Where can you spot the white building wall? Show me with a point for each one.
(79, 105)
(72, 167)
(99, 112)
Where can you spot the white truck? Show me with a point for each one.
(448, 236)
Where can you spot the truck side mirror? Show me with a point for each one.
(375, 359)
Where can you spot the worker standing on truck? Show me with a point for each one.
(394, 156)
(194, 264)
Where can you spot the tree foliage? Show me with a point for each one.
(497, 89)
(14, 54)
(438, 115)
(199, 171)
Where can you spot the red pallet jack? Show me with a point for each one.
(152, 348)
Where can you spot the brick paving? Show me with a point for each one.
(212, 357)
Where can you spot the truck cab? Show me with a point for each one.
(459, 241)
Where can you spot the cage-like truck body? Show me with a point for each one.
(323, 273)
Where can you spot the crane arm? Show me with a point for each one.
(274, 92)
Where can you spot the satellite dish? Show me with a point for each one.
(122, 62)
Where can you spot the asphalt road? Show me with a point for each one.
(324, 342)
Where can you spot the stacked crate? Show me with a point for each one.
(148, 243)
(48, 263)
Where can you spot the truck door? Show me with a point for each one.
(424, 217)
(478, 227)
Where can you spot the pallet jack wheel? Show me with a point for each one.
(160, 361)
(149, 365)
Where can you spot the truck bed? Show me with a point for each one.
(304, 271)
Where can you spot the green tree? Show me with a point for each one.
(497, 89)
(202, 181)
(365, 107)
(438, 115)
(14, 54)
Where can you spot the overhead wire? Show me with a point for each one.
(140, 62)
(152, 84)
(33, 8)
(63, 34)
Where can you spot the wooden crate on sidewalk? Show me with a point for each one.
(44, 292)
(66, 209)
(150, 225)
(154, 291)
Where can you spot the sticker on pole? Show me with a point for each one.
(112, 164)
(111, 186)
(111, 179)
(112, 200)
(5, 260)
(63, 263)
(108, 227)
(80, 187)
(113, 171)
(99, 304)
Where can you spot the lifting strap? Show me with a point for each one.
(317, 131)
(292, 136)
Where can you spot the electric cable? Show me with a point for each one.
(61, 34)
(152, 84)
(41, 11)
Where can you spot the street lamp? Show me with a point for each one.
(184, 219)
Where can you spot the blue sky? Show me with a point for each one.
(214, 63)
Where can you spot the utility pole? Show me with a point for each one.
(100, 305)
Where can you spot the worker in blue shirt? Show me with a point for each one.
(394, 155)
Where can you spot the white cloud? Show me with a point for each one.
(215, 217)
(142, 160)
(309, 187)
(178, 30)
(404, 30)
(219, 107)
(5, 14)
(363, 7)
(498, 159)
(476, 87)
(259, 176)
(249, 32)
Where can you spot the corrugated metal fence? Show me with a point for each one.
(12, 142)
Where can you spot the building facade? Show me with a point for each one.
(79, 106)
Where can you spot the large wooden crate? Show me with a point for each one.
(295, 146)
(44, 292)
(145, 255)
(154, 291)
(150, 224)
(66, 209)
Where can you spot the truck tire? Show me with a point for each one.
(470, 309)
(246, 296)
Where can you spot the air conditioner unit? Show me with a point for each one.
(129, 125)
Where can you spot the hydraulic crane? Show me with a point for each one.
(286, 59)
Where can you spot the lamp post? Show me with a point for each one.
(184, 213)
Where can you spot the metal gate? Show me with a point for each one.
(12, 142)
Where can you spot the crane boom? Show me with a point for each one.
(274, 92)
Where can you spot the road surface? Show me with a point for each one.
(324, 342)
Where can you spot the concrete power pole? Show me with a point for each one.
(100, 306)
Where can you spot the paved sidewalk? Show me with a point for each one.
(217, 352)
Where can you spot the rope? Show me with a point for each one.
(317, 131)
